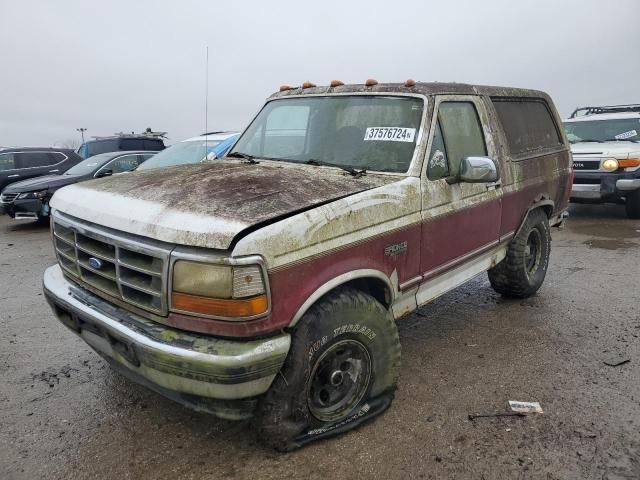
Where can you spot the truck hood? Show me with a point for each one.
(42, 183)
(613, 149)
(208, 204)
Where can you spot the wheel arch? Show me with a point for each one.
(373, 282)
(544, 203)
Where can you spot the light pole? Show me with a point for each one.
(81, 130)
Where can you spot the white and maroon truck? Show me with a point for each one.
(267, 283)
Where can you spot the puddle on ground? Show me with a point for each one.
(609, 244)
(607, 230)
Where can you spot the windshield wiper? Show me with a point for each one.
(352, 171)
(622, 140)
(588, 140)
(244, 156)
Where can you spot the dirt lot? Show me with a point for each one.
(65, 414)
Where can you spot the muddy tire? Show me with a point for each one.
(341, 371)
(522, 271)
(633, 204)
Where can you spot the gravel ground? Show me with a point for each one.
(64, 414)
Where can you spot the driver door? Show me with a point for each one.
(460, 221)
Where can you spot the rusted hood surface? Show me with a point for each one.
(207, 204)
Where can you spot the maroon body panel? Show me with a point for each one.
(451, 236)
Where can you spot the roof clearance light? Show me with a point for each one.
(308, 84)
(336, 83)
(284, 88)
(409, 83)
(371, 82)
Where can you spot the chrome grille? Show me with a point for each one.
(132, 269)
(8, 197)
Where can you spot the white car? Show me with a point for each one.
(606, 155)
(193, 150)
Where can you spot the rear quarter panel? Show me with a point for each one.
(536, 178)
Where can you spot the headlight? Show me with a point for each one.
(33, 195)
(610, 164)
(218, 290)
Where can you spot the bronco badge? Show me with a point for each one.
(395, 249)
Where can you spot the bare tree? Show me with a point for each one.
(68, 143)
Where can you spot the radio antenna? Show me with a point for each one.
(206, 105)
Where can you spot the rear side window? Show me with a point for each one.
(7, 161)
(153, 144)
(35, 159)
(56, 157)
(101, 146)
(528, 124)
(131, 144)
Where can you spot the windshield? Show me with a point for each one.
(621, 129)
(89, 165)
(181, 153)
(369, 132)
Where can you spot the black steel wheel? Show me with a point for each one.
(339, 379)
(341, 371)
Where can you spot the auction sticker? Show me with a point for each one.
(629, 134)
(390, 134)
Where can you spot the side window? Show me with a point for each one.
(7, 161)
(123, 164)
(131, 144)
(33, 159)
(527, 124)
(56, 157)
(458, 135)
(152, 144)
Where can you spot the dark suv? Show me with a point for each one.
(121, 142)
(21, 163)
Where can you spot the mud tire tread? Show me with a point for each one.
(632, 205)
(508, 278)
(282, 413)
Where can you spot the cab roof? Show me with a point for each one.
(408, 87)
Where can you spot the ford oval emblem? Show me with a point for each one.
(95, 263)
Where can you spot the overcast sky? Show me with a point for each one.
(127, 65)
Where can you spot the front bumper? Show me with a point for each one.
(598, 186)
(25, 209)
(215, 375)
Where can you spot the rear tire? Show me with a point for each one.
(521, 273)
(341, 371)
(633, 204)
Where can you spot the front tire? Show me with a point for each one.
(341, 371)
(632, 205)
(521, 273)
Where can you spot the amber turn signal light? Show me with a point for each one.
(409, 83)
(336, 83)
(630, 162)
(220, 307)
(371, 82)
(284, 88)
(308, 84)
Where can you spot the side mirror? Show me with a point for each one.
(478, 170)
(104, 173)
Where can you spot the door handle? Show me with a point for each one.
(54, 170)
(13, 176)
(493, 185)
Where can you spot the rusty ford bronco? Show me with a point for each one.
(267, 283)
